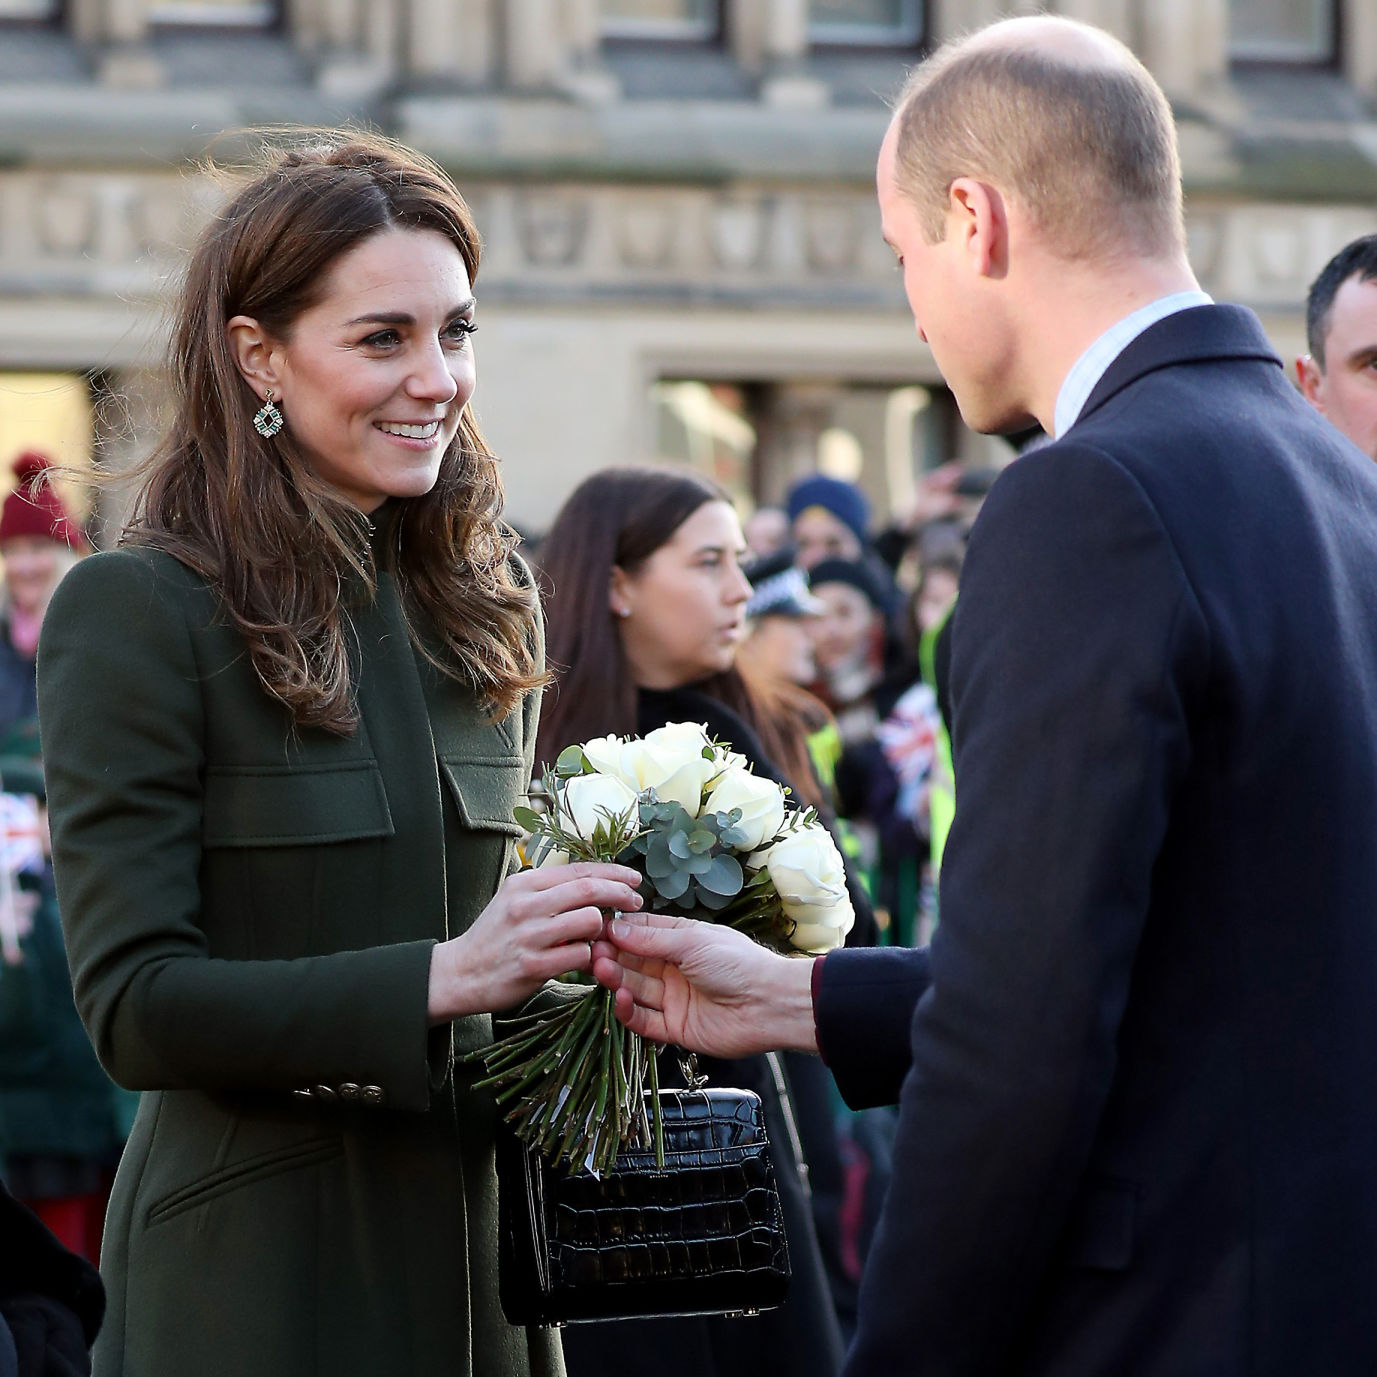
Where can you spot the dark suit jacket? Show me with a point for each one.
(1139, 1112)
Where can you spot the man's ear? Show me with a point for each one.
(254, 351)
(1311, 378)
(978, 218)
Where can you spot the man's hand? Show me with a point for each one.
(708, 988)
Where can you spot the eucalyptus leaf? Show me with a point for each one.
(698, 864)
(673, 886)
(659, 863)
(680, 845)
(527, 818)
(723, 876)
(571, 762)
(711, 901)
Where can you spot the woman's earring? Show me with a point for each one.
(623, 611)
(269, 420)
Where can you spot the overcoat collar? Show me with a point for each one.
(1195, 335)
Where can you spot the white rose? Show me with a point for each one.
(689, 738)
(761, 802)
(604, 754)
(817, 938)
(593, 801)
(728, 759)
(807, 872)
(670, 761)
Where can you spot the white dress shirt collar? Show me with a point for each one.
(1093, 364)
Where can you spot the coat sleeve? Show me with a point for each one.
(864, 1010)
(1079, 648)
(123, 743)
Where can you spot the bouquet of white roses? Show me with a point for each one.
(714, 841)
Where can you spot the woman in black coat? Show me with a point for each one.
(645, 607)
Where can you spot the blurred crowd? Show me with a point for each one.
(858, 617)
(62, 1122)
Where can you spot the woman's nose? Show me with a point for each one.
(432, 379)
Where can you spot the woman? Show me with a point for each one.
(646, 603)
(285, 727)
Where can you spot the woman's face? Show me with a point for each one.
(686, 605)
(31, 570)
(373, 378)
(782, 648)
(845, 630)
(935, 600)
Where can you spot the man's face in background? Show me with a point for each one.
(1345, 389)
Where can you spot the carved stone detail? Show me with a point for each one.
(736, 232)
(552, 227)
(646, 233)
(65, 218)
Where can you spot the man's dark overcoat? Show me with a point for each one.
(1139, 1097)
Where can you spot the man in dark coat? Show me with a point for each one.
(1138, 1134)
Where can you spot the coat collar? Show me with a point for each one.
(1196, 335)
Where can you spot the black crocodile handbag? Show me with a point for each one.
(702, 1236)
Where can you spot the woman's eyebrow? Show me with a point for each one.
(405, 317)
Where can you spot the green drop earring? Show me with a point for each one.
(268, 421)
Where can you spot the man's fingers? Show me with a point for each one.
(646, 990)
(652, 935)
(649, 1023)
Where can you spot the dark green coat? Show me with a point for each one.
(250, 912)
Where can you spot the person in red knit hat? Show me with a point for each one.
(61, 1121)
(39, 542)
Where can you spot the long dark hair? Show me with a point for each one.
(618, 518)
(251, 515)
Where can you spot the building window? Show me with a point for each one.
(672, 19)
(1292, 31)
(28, 9)
(222, 14)
(876, 22)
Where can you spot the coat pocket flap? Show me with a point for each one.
(254, 806)
(1102, 1227)
(486, 790)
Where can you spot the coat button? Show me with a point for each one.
(373, 1095)
(350, 1092)
(326, 1093)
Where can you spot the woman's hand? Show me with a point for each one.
(540, 924)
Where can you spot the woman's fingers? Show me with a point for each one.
(585, 892)
(548, 876)
(578, 925)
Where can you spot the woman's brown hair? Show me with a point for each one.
(250, 514)
(618, 518)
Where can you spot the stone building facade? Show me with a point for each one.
(682, 249)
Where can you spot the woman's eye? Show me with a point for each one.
(382, 339)
(460, 330)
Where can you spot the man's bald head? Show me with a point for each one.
(1062, 119)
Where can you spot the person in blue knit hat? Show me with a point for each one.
(830, 518)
